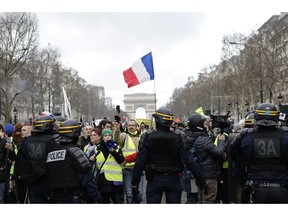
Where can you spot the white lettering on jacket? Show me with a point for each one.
(56, 156)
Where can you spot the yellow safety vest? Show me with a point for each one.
(112, 170)
(129, 148)
(225, 163)
(12, 172)
(85, 148)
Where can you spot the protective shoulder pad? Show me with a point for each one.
(177, 131)
(284, 128)
(149, 131)
(82, 161)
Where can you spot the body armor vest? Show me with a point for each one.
(163, 154)
(37, 152)
(266, 150)
(60, 167)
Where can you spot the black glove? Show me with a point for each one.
(137, 197)
(201, 183)
(135, 191)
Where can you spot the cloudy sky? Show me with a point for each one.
(101, 45)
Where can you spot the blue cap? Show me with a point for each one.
(9, 129)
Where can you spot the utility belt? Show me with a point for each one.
(67, 191)
(166, 173)
(270, 185)
(250, 184)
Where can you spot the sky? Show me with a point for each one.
(100, 46)
(101, 42)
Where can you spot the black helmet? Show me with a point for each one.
(266, 115)
(60, 119)
(196, 122)
(46, 123)
(70, 128)
(249, 120)
(163, 116)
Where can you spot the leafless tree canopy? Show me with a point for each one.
(32, 78)
(250, 65)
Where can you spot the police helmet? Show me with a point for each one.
(196, 122)
(163, 116)
(60, 119)
(249, 120)
(70, 128)
(266, 114)
(46, 123)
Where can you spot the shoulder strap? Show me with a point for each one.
(97, 171)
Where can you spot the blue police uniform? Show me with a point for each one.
(265, 153)
(34, 174)
(261, 156)
(70, 171)
(161, 156)
(71, 175)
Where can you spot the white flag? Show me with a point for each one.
(67, 106)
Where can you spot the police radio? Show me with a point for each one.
(283, 114)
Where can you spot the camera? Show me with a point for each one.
(221, 121)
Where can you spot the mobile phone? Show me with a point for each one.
(9, 139)
(118, 109)
(117, 118)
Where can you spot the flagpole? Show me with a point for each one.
(155, 94)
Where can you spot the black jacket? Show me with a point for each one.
(210, 155)
(6, 158)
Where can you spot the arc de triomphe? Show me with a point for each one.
(134, 101)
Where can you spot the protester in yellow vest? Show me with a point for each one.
(128, 141)
(109, 171)
(222, 195)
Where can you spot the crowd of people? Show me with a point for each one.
(66, 161)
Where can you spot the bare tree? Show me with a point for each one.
(18, 38)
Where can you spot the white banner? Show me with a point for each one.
(67, 106)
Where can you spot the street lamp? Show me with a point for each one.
(260, 65)
(247, 106)
(15, 115)
(0, 103)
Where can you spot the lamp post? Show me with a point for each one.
(247, 106)
(0, 104)
(260, 65)
(15, 115)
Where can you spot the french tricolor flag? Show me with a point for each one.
(141, 71)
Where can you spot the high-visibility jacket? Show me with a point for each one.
(112, 170)
(13, 163)
(128, 149)
(225, 163)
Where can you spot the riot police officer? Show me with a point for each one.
(31, 159)
(161, 153)
(69, 170)
(249, 120)
(263, 152)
